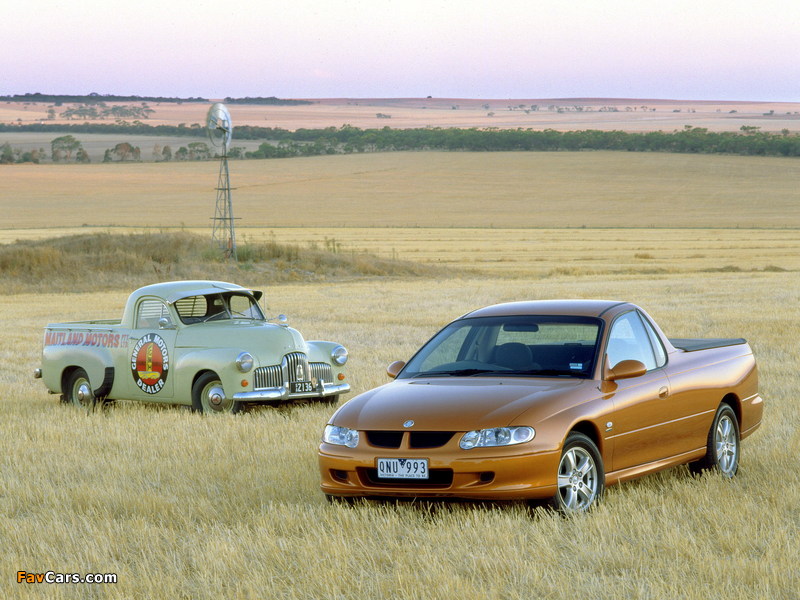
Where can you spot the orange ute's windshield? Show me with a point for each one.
(534, 346)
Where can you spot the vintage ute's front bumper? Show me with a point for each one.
(481, 474)
(274, 383)
(282, 393)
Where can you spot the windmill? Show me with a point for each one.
(220, 131)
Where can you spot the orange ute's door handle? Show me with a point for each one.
(663, 392)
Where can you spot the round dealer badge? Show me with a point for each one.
(150, 363)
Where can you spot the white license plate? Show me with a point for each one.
(403, 468)
(300, 387)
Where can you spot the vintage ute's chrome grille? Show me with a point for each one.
(297, 367)
(294, 367)
(442, 478)
(416, 439)
(268, 377)
(321, 372)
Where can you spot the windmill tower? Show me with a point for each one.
(220, 131)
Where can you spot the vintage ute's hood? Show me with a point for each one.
(455, 404)
(256, 337)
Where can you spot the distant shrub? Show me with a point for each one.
(121, 261)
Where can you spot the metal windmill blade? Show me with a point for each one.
(219, 126)
(220, 131)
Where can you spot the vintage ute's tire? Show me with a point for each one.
(209, 398)
(581, 477)
(330, 400)
(78, 390)
(722, 446)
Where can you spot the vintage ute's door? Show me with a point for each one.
(151, 344)
(641, 426)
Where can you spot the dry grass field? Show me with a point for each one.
(626, 114)
(416, 189)
(181, 506)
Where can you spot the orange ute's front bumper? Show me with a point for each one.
(500, 473)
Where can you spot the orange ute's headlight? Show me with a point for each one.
(496, 436)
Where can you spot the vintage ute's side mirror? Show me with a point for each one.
(394, 369)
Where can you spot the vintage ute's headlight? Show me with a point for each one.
(341, 436)
(244, 362)
(339, 355)
(496, 436)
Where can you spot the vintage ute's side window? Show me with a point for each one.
(192, 309)
(629, 340)
(149, 314)
(658, 347)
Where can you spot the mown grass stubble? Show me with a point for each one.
(185, 506)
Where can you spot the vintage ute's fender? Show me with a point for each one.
(322, 351)
(222, 361)
(98, 364)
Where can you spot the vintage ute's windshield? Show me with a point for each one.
(534, 346)
(212, 307)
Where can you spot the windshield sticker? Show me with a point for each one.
(150, 363)
(576, 366)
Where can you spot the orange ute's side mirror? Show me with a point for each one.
(394, 369)
(625, 369)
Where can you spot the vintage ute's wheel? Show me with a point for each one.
(722, 446)
(208, 396)
(581, 477)
(330, 399)
(78, 390)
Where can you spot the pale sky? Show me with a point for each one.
(676, 49)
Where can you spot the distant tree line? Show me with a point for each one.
(102, 111)
(92, 98)
(9, 155)
(96, 98)
(64, 147)
(67, 148)
(135, 127)
(281, 143)
(272, 100)
(304, 142)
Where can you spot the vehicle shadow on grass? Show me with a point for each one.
(666, 483)
(435, 507)
(285, 409)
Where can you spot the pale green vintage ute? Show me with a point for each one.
(205, 344)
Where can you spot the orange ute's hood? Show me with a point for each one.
(451, 404)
